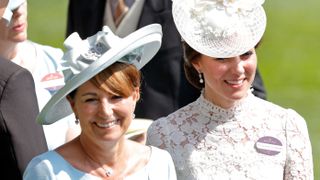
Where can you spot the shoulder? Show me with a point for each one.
(160, 156)
(296, 123)
(8, 69)
(48, 157)
(51, 165)
(158, 153)
(47, 50)
(14, 78)
(272, 110)
(170, 122)
(164, 129)
(161, 164)
(41, 165)
(290, 118)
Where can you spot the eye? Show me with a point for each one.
(220, 59)
(91, 100)
(247, 54)
(115, 97)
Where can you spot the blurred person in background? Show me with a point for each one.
(42, 61)
(21, 138)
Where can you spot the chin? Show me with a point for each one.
(239, 95)
(19, 37)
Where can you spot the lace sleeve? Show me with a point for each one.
(299, 164)
(155, 136)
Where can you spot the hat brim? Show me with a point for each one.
(138, 126)
(148, 37)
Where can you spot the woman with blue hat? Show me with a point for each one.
(102, 88)
(228, 133)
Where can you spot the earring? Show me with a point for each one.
(200, 78)
(77, 120)
(133, 116)
(251, 88)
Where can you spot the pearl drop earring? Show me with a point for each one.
(200, 78)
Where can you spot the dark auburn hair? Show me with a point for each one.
(119, 79)
(192, 75)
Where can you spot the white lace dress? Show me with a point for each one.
(254, 140)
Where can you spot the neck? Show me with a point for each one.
(106, 157)
(8, 50)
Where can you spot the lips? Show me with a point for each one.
(108, 124)
(235, 82)
(19, 27)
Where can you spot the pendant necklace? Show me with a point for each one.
(107, 171)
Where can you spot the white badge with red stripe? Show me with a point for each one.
(53, 82)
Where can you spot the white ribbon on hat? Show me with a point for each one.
(219, 17)
(81, 53)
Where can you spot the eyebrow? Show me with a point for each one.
(89, 94)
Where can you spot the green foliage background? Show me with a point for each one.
(289, 56)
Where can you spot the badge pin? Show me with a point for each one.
(53, 82)
(268, 145)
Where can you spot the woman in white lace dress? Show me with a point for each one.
(228, 133)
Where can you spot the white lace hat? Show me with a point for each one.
(86, 58)
(220, 28)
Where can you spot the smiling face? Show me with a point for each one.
(103, 115)
(16, 31)
(227, 80)
(105, 104)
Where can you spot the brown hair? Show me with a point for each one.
(191, 55)
(192, 75)
(119, 79)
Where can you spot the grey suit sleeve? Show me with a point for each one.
(19, 109)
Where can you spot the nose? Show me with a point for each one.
(105, 109)
(238, 65)
(19, 10)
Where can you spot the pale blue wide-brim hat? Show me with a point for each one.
(12, 5)
(86, 58)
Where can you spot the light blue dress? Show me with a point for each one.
(51, 165)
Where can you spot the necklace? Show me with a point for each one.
(107, 171)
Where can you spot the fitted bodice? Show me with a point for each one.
(255, 139)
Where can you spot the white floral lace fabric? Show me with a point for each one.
(254, 140)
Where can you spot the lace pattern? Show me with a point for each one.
(208, 142)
